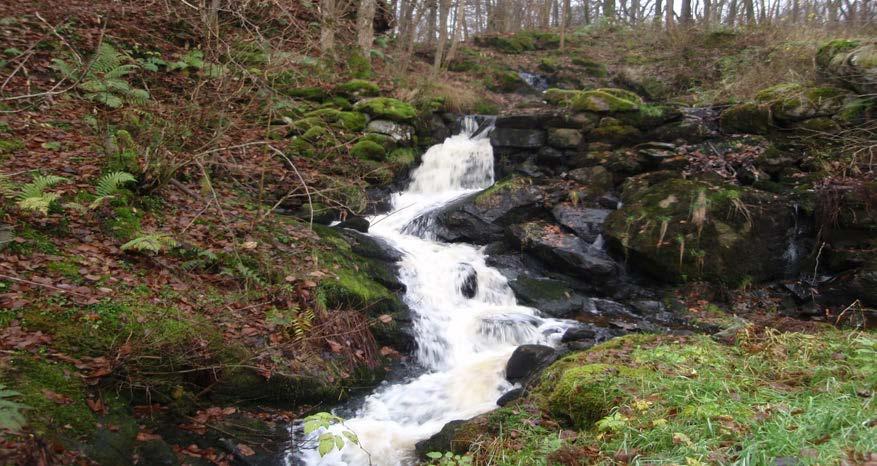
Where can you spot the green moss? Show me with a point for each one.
(606, 100)
(584, 395)
(403, 156)
(315, 94)
(504, 81)
(560, 97)
(793, 102)
(749, 118)
(359, 87)
(829, 50)
(491, 195)
(337, 102)
(368, 150)
(38, 380)
(352, 121)
(615, 132)
(591, 68)
(855, 111)
(382, 139)
(388, 108)
(34, 240)
(359, 66)
(68, 270)
(8, 146)
(125, 223)
(549, 64)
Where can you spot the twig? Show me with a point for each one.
(21, 280)
(307, 191)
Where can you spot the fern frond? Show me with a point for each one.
(7, 187)
(66, 69)
(106, 98)
(155, 243)
(110, 183)
(11, 418)
(40, 203)
(39, 184)
(121, 71)
(106, 59)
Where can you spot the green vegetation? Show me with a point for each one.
(386, 107)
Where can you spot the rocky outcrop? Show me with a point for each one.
(527, 361)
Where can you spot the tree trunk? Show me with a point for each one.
(609, 9)
(686, 12)
(432, 11)
(668, 14)
(749, 6)
(327, 28)
(707, 12)
(444, 11)
(365, 33)
(732, 13)
(459, 26)
(586, 5)
(658, 12)
(564, 14)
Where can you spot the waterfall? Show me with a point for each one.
(466, 319)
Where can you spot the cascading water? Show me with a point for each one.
(466, 319)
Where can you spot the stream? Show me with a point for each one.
(466, 319)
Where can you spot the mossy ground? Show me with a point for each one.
(692, 400)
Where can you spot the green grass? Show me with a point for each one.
(696, 401)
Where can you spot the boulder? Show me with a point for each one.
(355, 222)
(386, 108)
(564, 138)
(510, 396)
(793, 102)
(564, 252)
(398, 132)
(748, 118)
(480, 218)
(586, 223)
(527, 361)
(440, 442)
(597, 179)
(553, 297)
(469, 286)
(606, 100)
(677, 230)
(851, 62)
(518, 138)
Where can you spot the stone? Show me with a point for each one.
(596, 179)
(793, 102)
(851, 62)
(355, 222)
(586, 223)
(520, 138)
(527, 361)
(553, 297)
(606, 100)
(469, 287)
(400, 133)
(550, 156)
(564, 138)
(748, 118)
(510, 396)
(564, 252)
(386, 108)
(440, 442)
(579, 333)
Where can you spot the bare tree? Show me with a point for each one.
(327, 28)
(565, 13)
(444, 11)
(365, 33)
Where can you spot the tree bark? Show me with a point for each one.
(668, 14)
(609, 9)
(327, 28)
(749, 6)
(459, 26)
(564, 14)
(365, 33)
(658, 12)
(444, 11)
(686, 12)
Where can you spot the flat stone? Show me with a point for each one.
(564, 138)
(397, 131)
(521, 138)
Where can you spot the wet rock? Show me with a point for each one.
(564, 138)
(553, 297)
(701, 230)
(355, 222)
(520, 138)
(550, 156)
(441, 442)
(510, 396)
(398, 132)
(581, 333)
(596, 179)
(372, 247)
(586, 223)
(469, 287)
(527, 361)
(648, 307)
(609, 201)
(564, 252)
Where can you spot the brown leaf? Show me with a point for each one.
(95, 405)
(245, 450)
(57, 397)
(385, 318)
(146, 437)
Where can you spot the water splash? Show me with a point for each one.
(464, 342)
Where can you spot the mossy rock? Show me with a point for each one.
(351, 121)
(513, 44)
(315, 94)
(591, 68)
(828, 51)
(649, 116)
(606, 100)
(387, 108)
(505, 81)
(793, 102)
(749, 118)
(403, 157)
(677, 230)
(560, 97)
(359, 87)
(368, 149)
(856, 111)
(359, 66)
(549, 64)
(583, 395)
(614, 131)
(336, 102)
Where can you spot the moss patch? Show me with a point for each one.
(606, 100)
(368, 149)
(388, 108)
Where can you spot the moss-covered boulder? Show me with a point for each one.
(748, 118)
(560, 97)
(794, 102)
(351, 121)
(564, 138)
(590, 67)
(315, 94)
(359, 88)
(386, 108)
(606, 100)
(678, 230)
(614, 131)
(368, 149)
(852, 62)
(581, 395)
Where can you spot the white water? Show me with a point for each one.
(464, 343)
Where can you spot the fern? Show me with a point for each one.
(109, 185)
(205, 259)
(11, 418)
(7, 187)
(104, 80)
(154, 243)
(32, 196)
(241, 270)
(303, 323)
